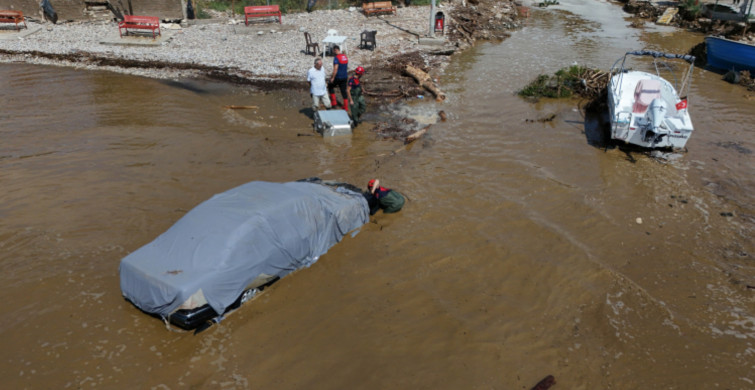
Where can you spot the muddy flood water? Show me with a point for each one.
(525, 249)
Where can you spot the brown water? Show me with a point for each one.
(518, 255)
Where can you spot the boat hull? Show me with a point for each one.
(726, 54)
(632, 125)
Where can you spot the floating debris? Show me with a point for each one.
(546, 383)
(544, 119)
(567, 82)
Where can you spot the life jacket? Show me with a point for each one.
(343, 66)
(356, 85)
(381, 192)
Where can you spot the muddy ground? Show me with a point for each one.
(386, 82)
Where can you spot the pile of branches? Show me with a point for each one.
(567, 82)
(397, 64)
(388, 81)
(642, 9)
(483, 19)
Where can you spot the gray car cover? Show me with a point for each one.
(223, 244)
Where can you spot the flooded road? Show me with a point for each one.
(524, 249)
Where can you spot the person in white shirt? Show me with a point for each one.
(317, 86)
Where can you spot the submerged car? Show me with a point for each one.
(230, 247)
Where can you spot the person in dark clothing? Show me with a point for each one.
(339, 78)
(355, 90)
(389, 200)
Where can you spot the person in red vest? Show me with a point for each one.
(389, 200)
(339, 78)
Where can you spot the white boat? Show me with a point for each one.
(647, 110)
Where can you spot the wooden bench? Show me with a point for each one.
(261, 11)
(133, 22)
(7, 16)
(377, 7)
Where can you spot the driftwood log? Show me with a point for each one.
(232, 107)
(414, 136)
(393, 93)
(425, 81)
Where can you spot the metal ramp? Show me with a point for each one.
(667, 16)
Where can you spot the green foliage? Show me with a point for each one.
(562, 84)
(201, 14)
(691, 7)
(424, 2)
(201, 6)
(217, 5)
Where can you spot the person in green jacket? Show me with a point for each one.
(387, 199)
(355, 92)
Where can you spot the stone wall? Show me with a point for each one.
(75, 9)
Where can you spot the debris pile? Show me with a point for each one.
(643, 9)
(397, 128)
(746, 80)
(690, 16)
(567, 82)
(482, 19)
(701, 54)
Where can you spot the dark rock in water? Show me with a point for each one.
(700, 51)
(546, 383)
(732, 76)
(736, 146)
(544, 119)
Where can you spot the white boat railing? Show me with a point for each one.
(681, 89)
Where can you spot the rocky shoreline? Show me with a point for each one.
(266, 55)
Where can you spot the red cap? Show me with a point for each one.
(371, 183)
(359, 70)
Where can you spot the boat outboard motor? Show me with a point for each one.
(657, 113)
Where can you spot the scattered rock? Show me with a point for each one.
(546, 383)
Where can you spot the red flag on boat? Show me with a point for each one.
(681, 105)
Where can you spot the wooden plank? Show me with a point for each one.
(667, 16)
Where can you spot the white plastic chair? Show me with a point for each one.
(329, 46)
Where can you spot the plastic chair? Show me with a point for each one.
(332, 33)
(367, 39)
(314, 45)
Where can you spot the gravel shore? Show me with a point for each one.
(257, 51)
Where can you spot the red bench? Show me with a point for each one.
(7, 16)
(261, 11)
(377, 7)
(139, 23)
